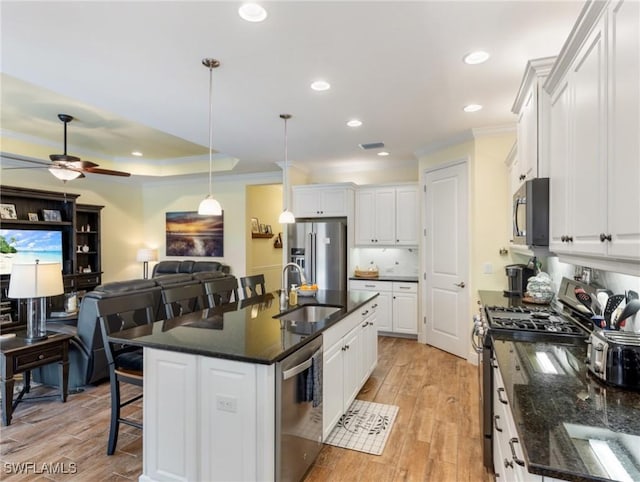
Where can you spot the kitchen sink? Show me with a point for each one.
(310, 313)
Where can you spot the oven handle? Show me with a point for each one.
(474, 334)
(292, 372)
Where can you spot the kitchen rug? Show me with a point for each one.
(365, 427)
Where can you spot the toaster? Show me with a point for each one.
(614, 357)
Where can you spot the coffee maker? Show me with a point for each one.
(517, 276)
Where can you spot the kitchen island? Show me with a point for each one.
(210, 384)
(570, 425)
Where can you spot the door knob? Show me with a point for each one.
(460, 285)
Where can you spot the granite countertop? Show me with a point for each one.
(556, 415)
(389, 277)
(244, 331)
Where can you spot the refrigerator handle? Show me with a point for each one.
(313, 257)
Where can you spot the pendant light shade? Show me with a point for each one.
(286, 217)
(209, 206)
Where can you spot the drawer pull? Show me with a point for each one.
(508, 464)
(40, 356)
(495, 423)
(502, 400)
(515, 458)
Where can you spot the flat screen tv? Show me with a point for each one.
(26, 245)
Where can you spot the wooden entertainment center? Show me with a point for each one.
(79, 225)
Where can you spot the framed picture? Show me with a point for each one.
(5, 318)
(33, 216)
(268, 229)
(255, 225)
(8, 211)
(51, 215)
(263, 228)
(191, 234)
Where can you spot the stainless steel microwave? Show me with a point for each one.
(531, 213)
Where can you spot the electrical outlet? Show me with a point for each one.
(488, 268)
(227, 404)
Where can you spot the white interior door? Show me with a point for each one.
(446, 256)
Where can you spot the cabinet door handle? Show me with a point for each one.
(515, 458)
(495, 423)
(605, 237)
(460, 285)
(502, 400)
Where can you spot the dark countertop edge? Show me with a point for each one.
(401, 279)
(339, 316)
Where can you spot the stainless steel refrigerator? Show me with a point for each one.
(319, 247)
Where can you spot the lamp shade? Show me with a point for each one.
(209, 207)
(35, 280)
(147, 254)
(286, 217)
(64, 174)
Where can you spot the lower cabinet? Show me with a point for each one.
(508, 457)
(397, 310)
(207, 418)
(350, 355)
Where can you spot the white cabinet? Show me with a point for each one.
(323, 200)
(349, 357)
(594, 142)
(508, 458)
(405, 308)
(184, 418)
(387, 215)
(384, 313)
(531, 107)
(397, 310)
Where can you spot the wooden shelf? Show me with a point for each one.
(262, 235)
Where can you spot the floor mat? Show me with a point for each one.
(365, 427)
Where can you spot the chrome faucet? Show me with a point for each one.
(284, 292)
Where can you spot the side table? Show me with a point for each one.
(19, 356)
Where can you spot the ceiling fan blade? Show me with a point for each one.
(98, 170)
(12, 157)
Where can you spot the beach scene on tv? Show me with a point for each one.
(25, 246)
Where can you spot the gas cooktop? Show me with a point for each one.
(528, 321)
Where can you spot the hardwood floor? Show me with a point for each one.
(436, 435)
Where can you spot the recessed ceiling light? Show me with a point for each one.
(472, 107)
(136, 153)
(252, 12)
(383, 153)
(354, 123)
(476, 57)
(320, 85)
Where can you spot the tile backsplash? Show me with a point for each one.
(616, 282)
(390, 261)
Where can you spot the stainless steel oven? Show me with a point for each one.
(298, 411)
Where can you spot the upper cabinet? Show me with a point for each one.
(594, 147)
(323, 200)
(387, 215)
(531, 107)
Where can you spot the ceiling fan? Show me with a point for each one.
(64, 166)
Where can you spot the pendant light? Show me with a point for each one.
(286, 217)
(209, 206)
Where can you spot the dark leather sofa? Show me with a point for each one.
(87, 361)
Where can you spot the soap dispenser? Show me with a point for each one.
(293, 296)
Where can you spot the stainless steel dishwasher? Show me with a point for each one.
(298, 411)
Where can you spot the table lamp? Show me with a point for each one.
(145, 255)
(34, 282)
